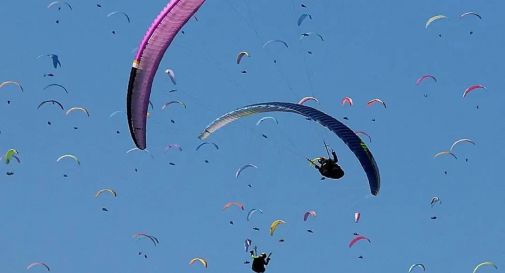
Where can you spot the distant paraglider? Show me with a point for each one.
(274, 226)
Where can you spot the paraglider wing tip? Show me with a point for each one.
(139, 140)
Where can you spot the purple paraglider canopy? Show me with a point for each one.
(148, 58)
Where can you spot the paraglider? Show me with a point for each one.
(373, 101)
(30, 266)
(445, 153)
(305, 99)
(140, 235)
(174, 146)
(52, 102)
(357, 216)
(433, 19)
(363, 133)
(77, 108)
(307, 34)
(70, 156)
(357, 239)
(233, 203)
(487, 263)
(57, 85)
(435, 200)
(275, 41)
(247, 244)
(302, 18)
(354, 143)
(347, 100)
(470, 13)
(5, 83)
(146, 62)
(265, 118)
(424, 77)
(172, 102)
(417, 265)
(54, 58)
(309, 213)
(329, 167)
(171, 75)
(239, 171)
(59, 4)
(463, 140)
(121, 13)
(274, 225)
(241, 55)
(207, 143)
(111, 191)
(472, 88)
(202, 261)
(251, 212)
(9, 155)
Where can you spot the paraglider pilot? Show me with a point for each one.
(259, 262)
(329, 168)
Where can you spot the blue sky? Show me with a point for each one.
(372, 49)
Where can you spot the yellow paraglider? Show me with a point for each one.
(274, 225)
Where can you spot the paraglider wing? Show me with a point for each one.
(119, 12)
(346, 100)
(171, 75)
(202, 261)
(372, 101)
(417, 265)
(53, 102)
(309, 213)
(98, 193)
(357, 239)
(470, 13)
(13, 83)
(363, 133)
(424, 77)
(354, 143)
(304, 100)
(433, 19)
(247, 244)
(357, 216)
(239, 171)
(435, 200)
(274, 225)
(445, 153)
(82, 109)
(146, 62)
(69, 156)
(307, 34)
(463, 140)
(59, 3)
(30, 266)
(57, 85)
(275, 41)
(264, 118)
(488, 263)
(172, 102)
(241, 55)
(11, 153)
(473, 87)
(238, 204)
(207, 143)
(150, 237)
(251, 212)
(302, 18)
